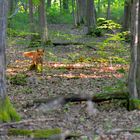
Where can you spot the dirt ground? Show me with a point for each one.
(71, 70)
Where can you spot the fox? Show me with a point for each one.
(37, 59)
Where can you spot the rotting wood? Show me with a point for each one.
(97, 98)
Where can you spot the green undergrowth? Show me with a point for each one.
(8, 112)
(134, 104)
(18, 79)
(44, 133)
(105, 26)
(15, 33)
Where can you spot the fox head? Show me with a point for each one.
(40, 52)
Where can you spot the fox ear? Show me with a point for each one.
(38, 50)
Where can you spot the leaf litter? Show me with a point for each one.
(68, 72)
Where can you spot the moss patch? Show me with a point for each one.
(7, 111)
(46, 133)
(134, 104)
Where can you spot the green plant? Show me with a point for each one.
(7, 111)
(18, 79)
(104, 25)
(46, 133)
(126, 36)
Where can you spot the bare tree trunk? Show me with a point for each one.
(81, 12)
(31, 17)
(60, 5)
(99, 7)
(91, 16)
(10, 6)
(127, 12)
(134, 71)
(49, 3)
(108, 10)
(3, 20)
(73, 13)
(138, 54)
(43, 22)
(66, 5)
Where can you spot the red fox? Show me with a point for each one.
(37, 59)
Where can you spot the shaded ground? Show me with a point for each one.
(70, 70)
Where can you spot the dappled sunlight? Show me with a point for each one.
(93, 72)
(89, 76)
(76, 70)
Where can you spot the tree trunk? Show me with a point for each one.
(32, 26)
(3, 20)
(73, 13)
(10, 6)
(60, 1)
(108, 10)
(65, 5)
(99, 7)
(91, 16)
(49, 3)
(138, 54)
(134, 72)
(43, 22)
(127, 12)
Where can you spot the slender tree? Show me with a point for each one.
(31, 17)
(134, 72)
(108, 10)
(3, 17)
(127, 13)
(66, 5)
(43, 22)
(73, 13)
(99, 7)
(49, 3)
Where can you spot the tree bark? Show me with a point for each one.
(65, 5)
(99, 7)
(127, 12)
(10, 6)
(3, 22)
(60, 1)
(43, 22)
(73, 13)
(49, 3)
(108, 10)
(134, 71)
(91, 16)
(31, 17)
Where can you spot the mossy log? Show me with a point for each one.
(97, 98)
(52, 134)
(44, 133)
(100, 97)
(131, 104)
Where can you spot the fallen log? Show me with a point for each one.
(97, 98)
(73, 43)
(100, 97)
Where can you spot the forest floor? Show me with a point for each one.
(92, 67)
